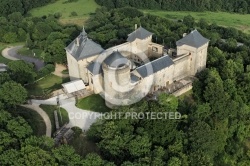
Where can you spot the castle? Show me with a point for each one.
(128, 72)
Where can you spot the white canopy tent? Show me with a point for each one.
(74, 86)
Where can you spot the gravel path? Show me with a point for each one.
(59, 69)
(44, 115)
(11, 53)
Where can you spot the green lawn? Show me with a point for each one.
(33, 118)
(239, 21)
(46, 85)
(83, 8)
(93, 103)
(27, 52)
(49, 109)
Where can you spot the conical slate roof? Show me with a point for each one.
(116, 60)
(139, 33)
(86, 48)
(194, 39)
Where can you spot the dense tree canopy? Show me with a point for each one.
(21, 72)
(12, 93)
(239, 6)
(19, 147)
(23, 6)
(38, 33)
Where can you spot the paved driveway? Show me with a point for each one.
(77, 117)
(11, 53)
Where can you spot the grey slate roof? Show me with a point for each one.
(157, 65)
(116, 60)
(87, 47)
(95, 68)
(194, 39)
(134, 78)
(139, 33)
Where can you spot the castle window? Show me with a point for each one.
(154, 49)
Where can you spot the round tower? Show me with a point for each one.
(116, 70)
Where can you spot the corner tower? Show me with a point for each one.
(116, 69)
(195, 45)
(140, 39)
(80, 53)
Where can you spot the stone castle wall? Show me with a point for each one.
(73, 67)
(188, 62)
(181, 67)
(83, 64)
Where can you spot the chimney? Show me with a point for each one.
(136, 26)
(77, 41)
(184, 34)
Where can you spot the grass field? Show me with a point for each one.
(239, 21)
(49, 109)
(93, 103)
(46, 85)
(83, 8)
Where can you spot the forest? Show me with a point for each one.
(42, 33)
(215, 125)
(238, 6)
(23, 6)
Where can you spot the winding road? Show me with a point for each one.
(11, 53)
(77, 117)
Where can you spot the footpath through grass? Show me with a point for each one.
(46, 85)
(93, 103)
(81, 8)
(49, 109)
(239, 21)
